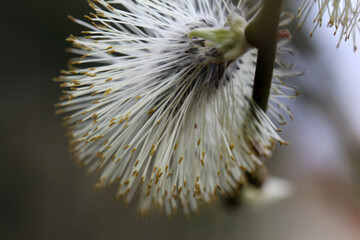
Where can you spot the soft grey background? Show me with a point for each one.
(44, 196)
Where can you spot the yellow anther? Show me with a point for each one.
(107, 92)
(87, 17)
(151, 111)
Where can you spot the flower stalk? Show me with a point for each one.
(262, 34)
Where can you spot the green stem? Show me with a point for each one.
(262, 34)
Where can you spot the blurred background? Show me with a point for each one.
(43, 195)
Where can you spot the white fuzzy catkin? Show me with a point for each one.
(154, 110)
